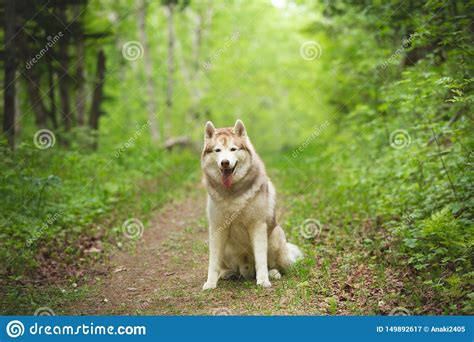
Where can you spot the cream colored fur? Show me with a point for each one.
(244, 238)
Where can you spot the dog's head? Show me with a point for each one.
(226, 156)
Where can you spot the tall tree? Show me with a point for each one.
(98, 95)
(148, 68)
(201, 21)
(169, 10)
(64, 77)
(80, 70)
(51, 92)
(10, 71)
(32, 77)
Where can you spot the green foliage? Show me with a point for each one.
(402, 200)
(410, 72)
(439, 241)
(59, 196)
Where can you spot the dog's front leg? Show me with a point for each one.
(217, 242)
(258, 238)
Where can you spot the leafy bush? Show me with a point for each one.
(411, 74)
(50, 200)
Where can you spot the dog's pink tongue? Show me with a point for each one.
(227, 181)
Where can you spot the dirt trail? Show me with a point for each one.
(137, 281)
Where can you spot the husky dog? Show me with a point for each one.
(244, 237)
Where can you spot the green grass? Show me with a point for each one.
(362, 206)
(60, 204)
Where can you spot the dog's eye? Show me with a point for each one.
(217, 150)
(233, 149)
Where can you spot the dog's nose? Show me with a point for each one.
(225, 163)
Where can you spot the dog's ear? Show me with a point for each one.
(239, 128)
(209, 130)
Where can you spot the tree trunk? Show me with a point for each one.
(34, 93)
(202, 20)
(148, 68)
(63, 82)
(98, 95)
(52, 101)
(10, 71)
(202, 25)
(193, 78)
(81, 93)
(65, 105)
(197, 41)
(170, 86)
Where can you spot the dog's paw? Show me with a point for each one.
(264, 283)
(209, 285)
(274, 274)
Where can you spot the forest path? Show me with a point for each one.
(146, 279)
(164, 273)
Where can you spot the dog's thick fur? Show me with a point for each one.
(244, 237)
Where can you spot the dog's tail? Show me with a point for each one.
(294, 253)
